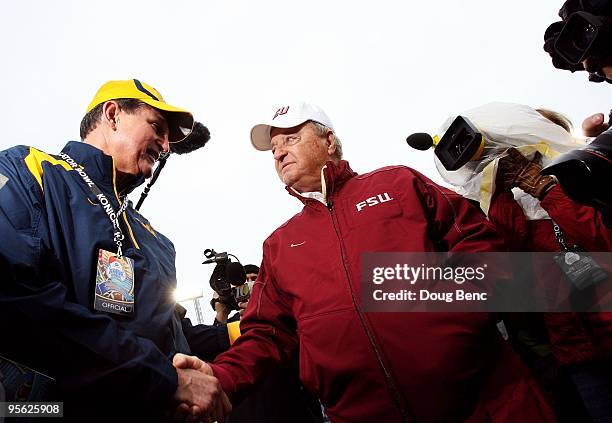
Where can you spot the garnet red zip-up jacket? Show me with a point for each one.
(377, 367)
(574, 337)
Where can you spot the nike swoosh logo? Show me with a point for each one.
(297, 245)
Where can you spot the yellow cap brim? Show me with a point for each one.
(180, 122)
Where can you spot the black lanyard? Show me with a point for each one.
(559, 236)
(561, 240)
(103, 200)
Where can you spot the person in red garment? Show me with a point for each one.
(580, 343)
(368, 367)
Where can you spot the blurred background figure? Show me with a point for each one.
(222, 310)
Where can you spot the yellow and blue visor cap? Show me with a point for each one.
(180, 121)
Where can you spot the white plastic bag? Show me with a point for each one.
(505, 125)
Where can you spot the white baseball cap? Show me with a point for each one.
(287, 116)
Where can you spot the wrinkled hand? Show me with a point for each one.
(515, 170)
(199, 393)
(594, 125)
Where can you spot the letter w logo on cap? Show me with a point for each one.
(281, 111)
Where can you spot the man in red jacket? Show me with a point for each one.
(581, 343)
(367, 367)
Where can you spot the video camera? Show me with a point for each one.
(461, 143)
(228, 279)
(585, 32)
(468, 148)
(586, 175)
(464, 151)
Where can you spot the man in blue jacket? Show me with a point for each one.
(86, 282)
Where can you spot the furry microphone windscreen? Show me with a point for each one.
(196, 139)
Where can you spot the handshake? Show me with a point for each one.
(199, 394)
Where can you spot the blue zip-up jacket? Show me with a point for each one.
(51, 228)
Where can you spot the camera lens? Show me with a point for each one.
(577, 38)
(584, 37)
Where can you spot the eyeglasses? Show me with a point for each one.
(285, 141)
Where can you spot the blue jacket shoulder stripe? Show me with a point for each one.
(34, 161)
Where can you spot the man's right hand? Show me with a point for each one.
(199, 393)
(594, 125)
(221, 309)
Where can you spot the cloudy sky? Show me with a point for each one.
(381, 69)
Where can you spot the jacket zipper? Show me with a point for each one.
(395, 393)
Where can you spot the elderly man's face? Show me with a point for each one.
(140, 137)
(299, 155)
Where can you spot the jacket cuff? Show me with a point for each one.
(225, 379)
(163, 387)
(223, 338)
(552, 197)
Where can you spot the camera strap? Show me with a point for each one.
(103, 201)
(559, 237)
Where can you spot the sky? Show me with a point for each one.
(380, 69)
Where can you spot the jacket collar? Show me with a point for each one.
(333, 177)
(98, 166)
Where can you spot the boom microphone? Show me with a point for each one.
(198, 138)
(420, 141)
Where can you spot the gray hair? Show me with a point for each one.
(322, 131)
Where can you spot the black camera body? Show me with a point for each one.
(584, 35)
(586, 174)
(461, 143)
(228, 279)
(585, 32)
